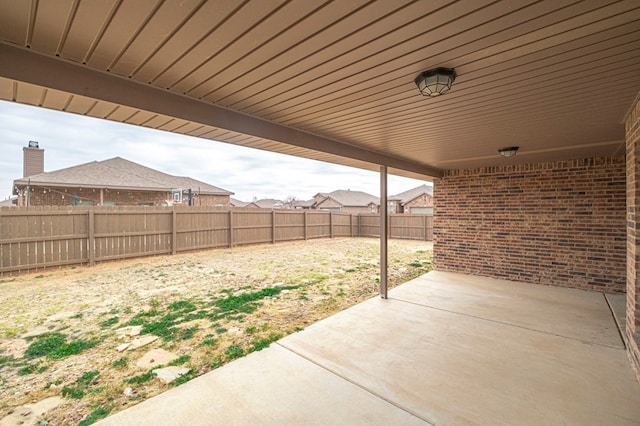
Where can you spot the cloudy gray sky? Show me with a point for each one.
(70, 139)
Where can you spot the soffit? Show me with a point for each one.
(555, 78)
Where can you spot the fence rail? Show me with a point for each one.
(32, 238)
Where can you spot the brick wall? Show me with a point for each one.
(633, 236)
(423, 200)
(64, 197)
(560, 223)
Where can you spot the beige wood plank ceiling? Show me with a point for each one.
(333, 80)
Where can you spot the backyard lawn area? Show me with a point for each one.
(79, 343)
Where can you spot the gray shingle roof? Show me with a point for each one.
(412, 194)
(268, 203)
(118, 173)
(350, 198)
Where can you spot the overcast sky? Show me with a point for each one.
(71, 139)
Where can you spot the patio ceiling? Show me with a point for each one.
(333, 80)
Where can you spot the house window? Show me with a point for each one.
(392, 207)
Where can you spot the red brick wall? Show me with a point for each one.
(633, 236)
(64, 196)
(560, 223)
(422, 201)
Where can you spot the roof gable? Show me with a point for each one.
(350, 198)
(413, 193)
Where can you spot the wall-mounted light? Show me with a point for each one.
(509, 151)
(435, 82)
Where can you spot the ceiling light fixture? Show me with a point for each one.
(509, 151)
(435, 82)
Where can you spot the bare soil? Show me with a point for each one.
(207, 308)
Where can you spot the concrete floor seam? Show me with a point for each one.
(615, 320)
(359, 386)
(510, 324)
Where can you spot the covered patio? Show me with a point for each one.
(554, 82)
(445, 348)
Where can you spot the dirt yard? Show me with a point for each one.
(81, 343)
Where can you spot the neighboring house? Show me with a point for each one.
(9, 202)
(113, 182)
(306, 205)
(418, 200)
(237, 203)
(269, 203)
(347, 201)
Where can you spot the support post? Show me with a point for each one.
(384, 233)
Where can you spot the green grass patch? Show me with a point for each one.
(182, 306)
(181, 360)
(234, 351)
(209, 341)
(98, 414)
(111, 321)
(188, 333)
(55, 346)
(248, 302)
(27, 369)
(6, 360)
(183, 379)
(263, 343)
(162, 328)
(141, 378)
(221, 330)
(79, 389)
(218, 362)
(73, 392)
(120, 363)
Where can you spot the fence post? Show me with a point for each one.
(305, 224)
(330, 224)
(230, 228)
(92, 239)
(174, 230)
(424, 228)
(273, 226)
(351, 225)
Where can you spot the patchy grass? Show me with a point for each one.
(215, 306)
(264, 342)
(109, 322)
(234, 351)
(79, 389)
(99, 413)
(55, 346)
(141, 378)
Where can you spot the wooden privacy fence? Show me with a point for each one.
(42, 237)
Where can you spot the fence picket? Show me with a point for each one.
(33, 238)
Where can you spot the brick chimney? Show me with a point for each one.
(33, 160)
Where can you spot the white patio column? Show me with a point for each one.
(384, 232)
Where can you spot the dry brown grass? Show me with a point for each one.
(268, 291)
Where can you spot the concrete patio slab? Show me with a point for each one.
(270, 387)
(426, 356)
(571, 313)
